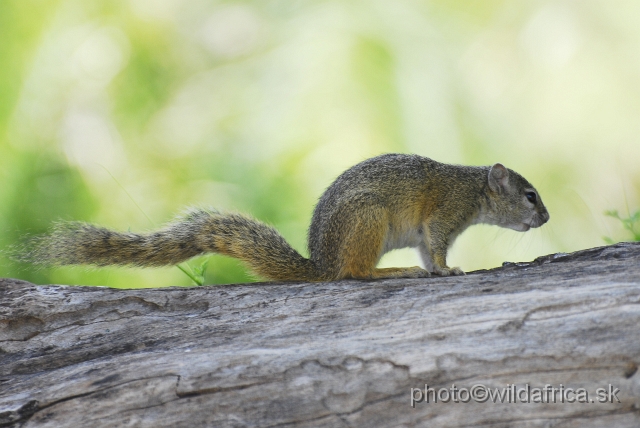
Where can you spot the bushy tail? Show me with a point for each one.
(199, 231)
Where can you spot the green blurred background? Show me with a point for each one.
(124, 112)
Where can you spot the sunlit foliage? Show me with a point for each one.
(124, 112)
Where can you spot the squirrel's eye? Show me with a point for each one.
(531, 197)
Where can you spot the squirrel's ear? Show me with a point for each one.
(498, 177)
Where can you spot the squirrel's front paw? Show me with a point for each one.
(457, 271)
(449, 271)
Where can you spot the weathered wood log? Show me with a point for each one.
(347, 353)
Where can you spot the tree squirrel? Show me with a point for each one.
(383, 203)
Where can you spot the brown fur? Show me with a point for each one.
(390, 201)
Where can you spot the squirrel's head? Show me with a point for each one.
(513, 202)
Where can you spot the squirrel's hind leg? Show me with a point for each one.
(363, 244)
(407, 272)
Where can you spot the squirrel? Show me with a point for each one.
(383, 203)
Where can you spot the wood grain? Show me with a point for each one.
(339, 354)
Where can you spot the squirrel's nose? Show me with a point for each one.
(545, 216)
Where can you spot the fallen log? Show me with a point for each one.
(388, 353)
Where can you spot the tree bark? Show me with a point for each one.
(337, 354)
